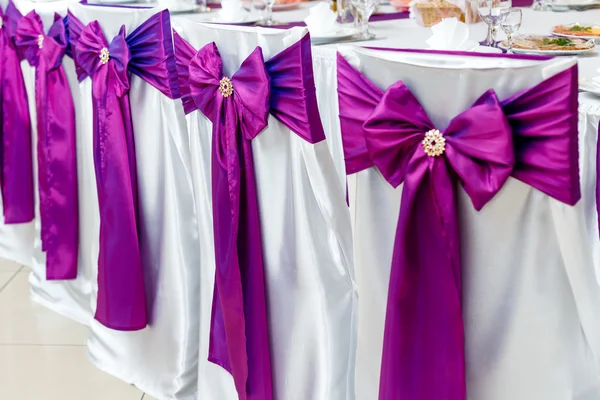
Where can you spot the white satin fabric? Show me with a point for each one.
(69, 297)
(162, 359)
(306, 238)
(530, 295)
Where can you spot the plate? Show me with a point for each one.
(340, 34)
(579, 3)
(214, 18)
(531, 44)
(286, 6)
(590, 86)
(594, 31)
(114, 2)
(184, 9)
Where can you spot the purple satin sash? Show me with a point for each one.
(16, 175)
(239, 109)
(423, 349)
(57, 163)
(148, 52)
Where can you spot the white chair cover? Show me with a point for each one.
(71, 298)
(306, 238)
(530, 297)
(162, 359)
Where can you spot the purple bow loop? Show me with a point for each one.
(248, 89)
(34, 44)
(152, 58)
(423, 349)
(16, 173)
(544, 124)
(93, 53)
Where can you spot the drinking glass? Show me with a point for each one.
(511, 24)
(364, 9)
(493, 12)
(268, 21)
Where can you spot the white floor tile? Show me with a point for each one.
(25, 322)
(56, 373)
(6, 265)
(5, 277)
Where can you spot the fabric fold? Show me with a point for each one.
(239, 107)
(56, 147)
(16, 174)
(423, 349)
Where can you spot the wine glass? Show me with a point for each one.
(269, 19)
(511, 24)
(364, 9)
(493, 12)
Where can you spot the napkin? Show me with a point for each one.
(321, 20)
(597, 78)
(451, 34)
(232, 11)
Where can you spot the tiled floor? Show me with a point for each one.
(43, 355)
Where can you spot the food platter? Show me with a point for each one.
(549, 45)
(577, 30)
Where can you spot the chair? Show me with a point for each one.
(529, 291)
(140, 229)
(291, 308)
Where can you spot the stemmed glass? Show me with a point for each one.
(269, 19)
(511, 24)
(364, 9)
(493, 13)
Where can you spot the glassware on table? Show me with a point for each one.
(344, 11)
(364, 9)
(268, 21)
(493, 12)
(511, 24)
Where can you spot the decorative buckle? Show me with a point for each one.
(104, 55)
(434, 143)
(226, 87)
(40, 41)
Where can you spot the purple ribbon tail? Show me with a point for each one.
(17, 159)
(121, 290)
(56, 142)
(423, 348)
(239, 340)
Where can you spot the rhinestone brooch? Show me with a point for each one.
(104, 55)
(226, 87)
(434, 143)
(40, 41)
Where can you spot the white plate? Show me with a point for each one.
(114, 2)
(595, 38)
(591, 86)
(581, 3)
(213, 17)
(184, 9)
(503, 45)
(340, 34)
(286, 6)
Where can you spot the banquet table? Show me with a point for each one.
(395, 33)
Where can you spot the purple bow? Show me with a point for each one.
(423, 349)
(121, 291)
(57, 163)
(16, 175)
(239, 108)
